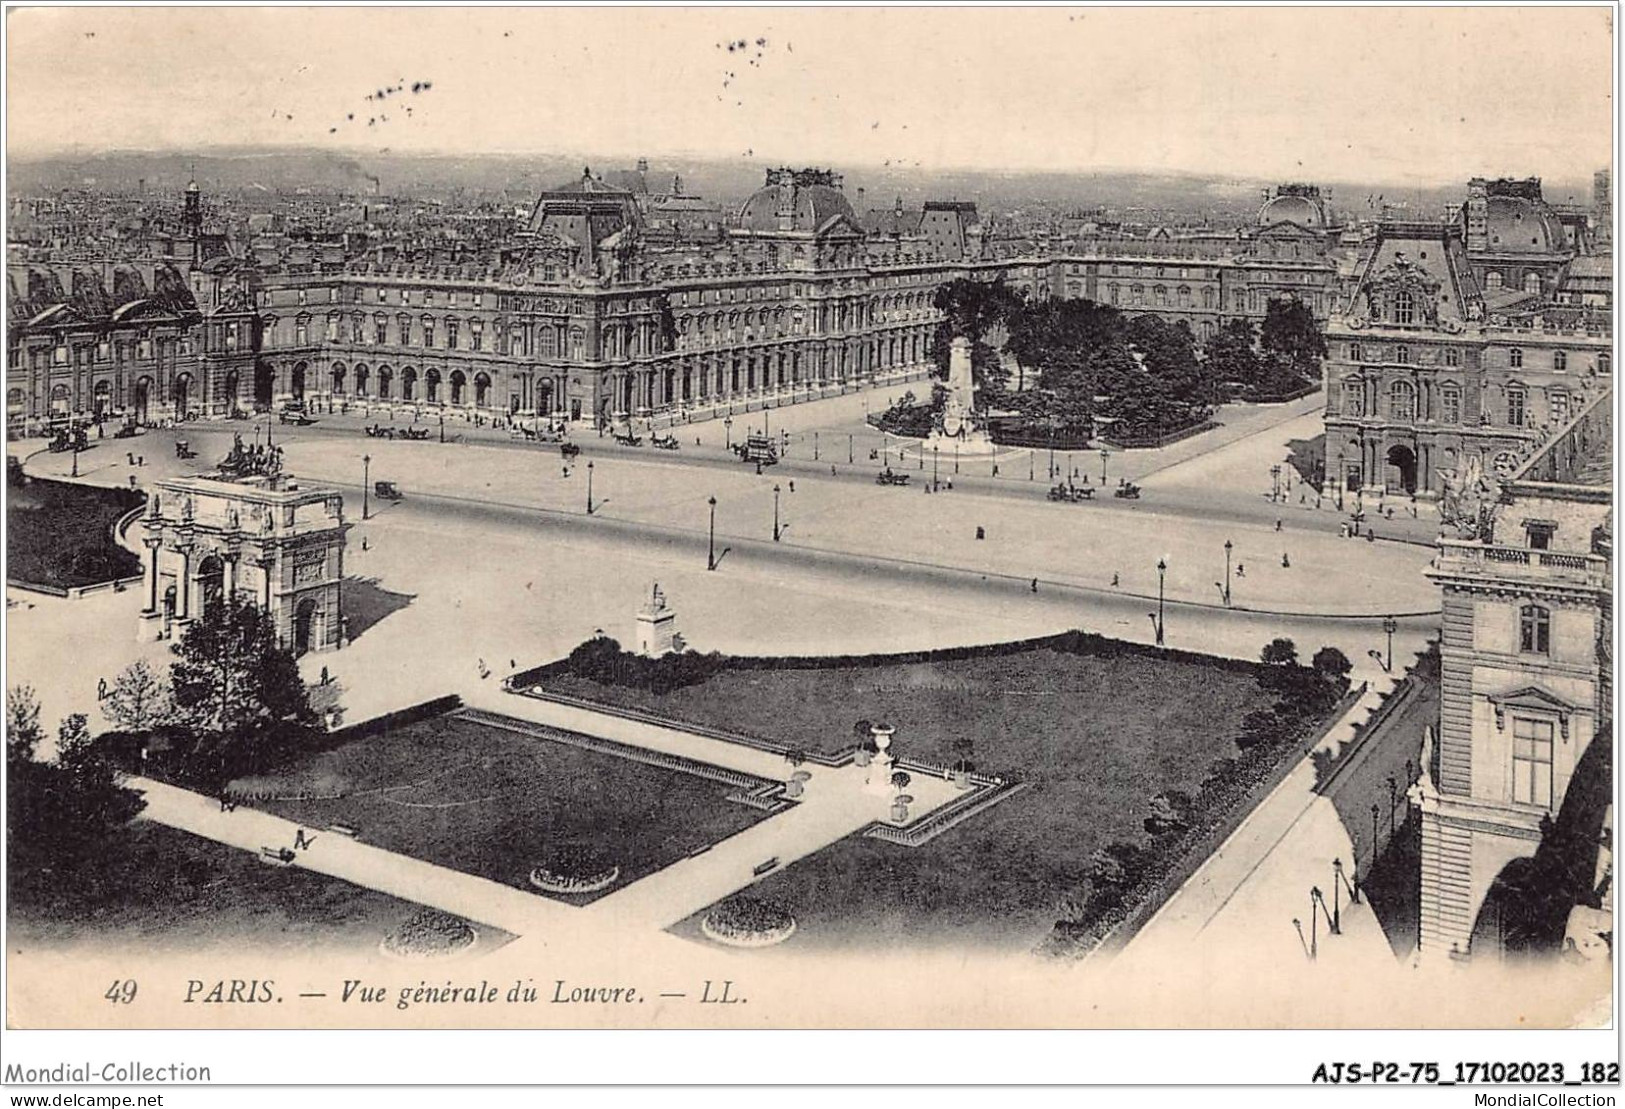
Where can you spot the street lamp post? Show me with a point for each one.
(589, 487)
(1228, 546)
(1393, 802)
(933, 468)
(1052, 452)
(1104, 454)
(366, 485)
(1275, 482)
(815, 446)
(775, 513)
(443, 429)
(956, 456)
(728, 431)
(1162, 575)
(1375, 809)
(711, 539)
(1342, 480)
(1390, 625)
(849, 448)
(73, 433)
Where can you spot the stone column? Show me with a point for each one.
(228, 576)
(183, 583)
(153, 544)
(266, 562)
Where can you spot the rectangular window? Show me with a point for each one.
(1515, 407)
(428, 333)
(1532, 761)
(1540, 534)
(1451, 406)
(451, 334)
(475, 337)
(380, 334)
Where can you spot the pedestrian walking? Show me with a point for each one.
(1286, 563)
(1241, 569)
(832, 471)
(792, 486)
(363, 538)
(1277, 525)
(1114, 579)
(1035, 580)
(131, 456)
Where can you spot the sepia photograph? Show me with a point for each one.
(812, 518)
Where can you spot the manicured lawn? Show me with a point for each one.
(61, 534)
(495, 803)
(1097, 735)
(165, 890)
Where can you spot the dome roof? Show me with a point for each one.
(807, 206)
(1304, 211)
(1515, 224)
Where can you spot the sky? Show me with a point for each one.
(1354, 94)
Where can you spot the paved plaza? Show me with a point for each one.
(492, 563)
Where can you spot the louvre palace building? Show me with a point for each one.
(614, 303)
(1465, 342)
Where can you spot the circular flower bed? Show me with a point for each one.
(430, 934)
(748, 922)
(575, 868)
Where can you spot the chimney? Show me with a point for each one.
(643, 165)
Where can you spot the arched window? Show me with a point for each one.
(1515, 358)
(1560, 360)
(361, 379)
(431, 386)
(1531, 282)
(1161, 293)
(457, 383)
(338, 378)
(1492, 280)
(1605, 363)
(1535, 629)
(1404, 307)
(385, 380)
(409, 384)
(1402, 400)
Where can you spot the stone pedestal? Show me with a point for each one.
(657, 626)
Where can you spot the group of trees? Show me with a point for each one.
(232, 703)
(1139, 373)
(1091, 362)
(1279, 358)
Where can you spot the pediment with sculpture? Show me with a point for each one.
(1401, 292)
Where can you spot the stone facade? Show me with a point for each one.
(263, 539)
(1434, 365)
(586, 316)
(1525, 669)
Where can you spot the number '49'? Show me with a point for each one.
(121, 992)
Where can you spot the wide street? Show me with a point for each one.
(492, 556)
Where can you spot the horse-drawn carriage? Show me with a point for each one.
(627, 439)
(568, 451)
(127, 431)
(1127, 491)
(889, 477)
(1072, 494)
(69, 438)
(183, 449)
(296, 416)
(757, 448)
(666, 442)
